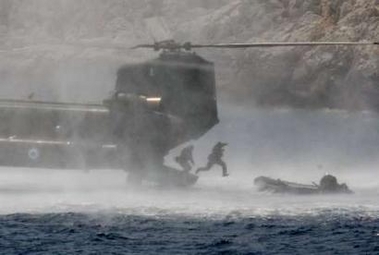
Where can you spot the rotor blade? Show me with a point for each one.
(142, 46)
(173, 45)
(66, 44)
(279, 44)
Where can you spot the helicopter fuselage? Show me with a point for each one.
(157, 106)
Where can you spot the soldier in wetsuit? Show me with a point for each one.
(215, 158)
(185, 159)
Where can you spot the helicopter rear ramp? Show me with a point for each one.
(171, 177)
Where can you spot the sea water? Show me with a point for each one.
(47, 211)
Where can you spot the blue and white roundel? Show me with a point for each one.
(33, 153)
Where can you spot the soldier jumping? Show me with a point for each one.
(215, 158)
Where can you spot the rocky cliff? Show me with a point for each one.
(336, 77)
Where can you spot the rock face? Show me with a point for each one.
(306, 77)
(336, 77)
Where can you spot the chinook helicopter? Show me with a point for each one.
(156, 106)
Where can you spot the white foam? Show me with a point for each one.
(290, 145)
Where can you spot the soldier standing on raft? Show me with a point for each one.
(215, 158)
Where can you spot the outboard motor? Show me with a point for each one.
(329, 184)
